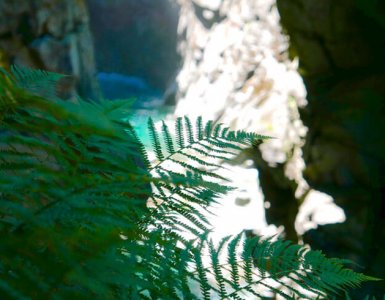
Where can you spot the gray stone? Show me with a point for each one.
(52, 35)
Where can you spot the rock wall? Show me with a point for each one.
(236, 70)
(341, 46)
(50, 34)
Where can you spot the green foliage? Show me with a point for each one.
(85, 214)
(37, 82)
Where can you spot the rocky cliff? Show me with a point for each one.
(50, 34)
(341, 46)
(236, 70)
(239, 68)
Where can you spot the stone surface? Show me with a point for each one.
(236, 70)
(341, 46)
(50, 34)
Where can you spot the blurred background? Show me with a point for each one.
(309, 73)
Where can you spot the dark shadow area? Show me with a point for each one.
(341, 48)
(136, 38)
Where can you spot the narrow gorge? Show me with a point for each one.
(308, 73)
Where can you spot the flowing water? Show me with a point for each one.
(147, 101)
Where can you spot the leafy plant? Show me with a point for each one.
(84, 212)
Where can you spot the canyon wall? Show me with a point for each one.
(236, 70)
(341, 46)
(53, 35)
(240, 68)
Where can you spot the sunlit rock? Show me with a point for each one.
(236, 70)
(318, 209)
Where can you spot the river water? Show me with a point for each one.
(147, 101)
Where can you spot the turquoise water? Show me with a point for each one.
(138, 118)
(146, 101)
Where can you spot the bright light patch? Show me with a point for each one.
(318, 209)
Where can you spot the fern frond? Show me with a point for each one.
(179, 132)
(202, 274)
(155, 140)
(140, 146)
(75, 221)
(37, 82)
(212, 142)
(8, 94)
(190, 167)
(220, 279)
(189, 129)
(199, 127)
(167, 139)
(232, 259)
(217, 130)
(208, 128)
(200, 156)
(331, 275)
